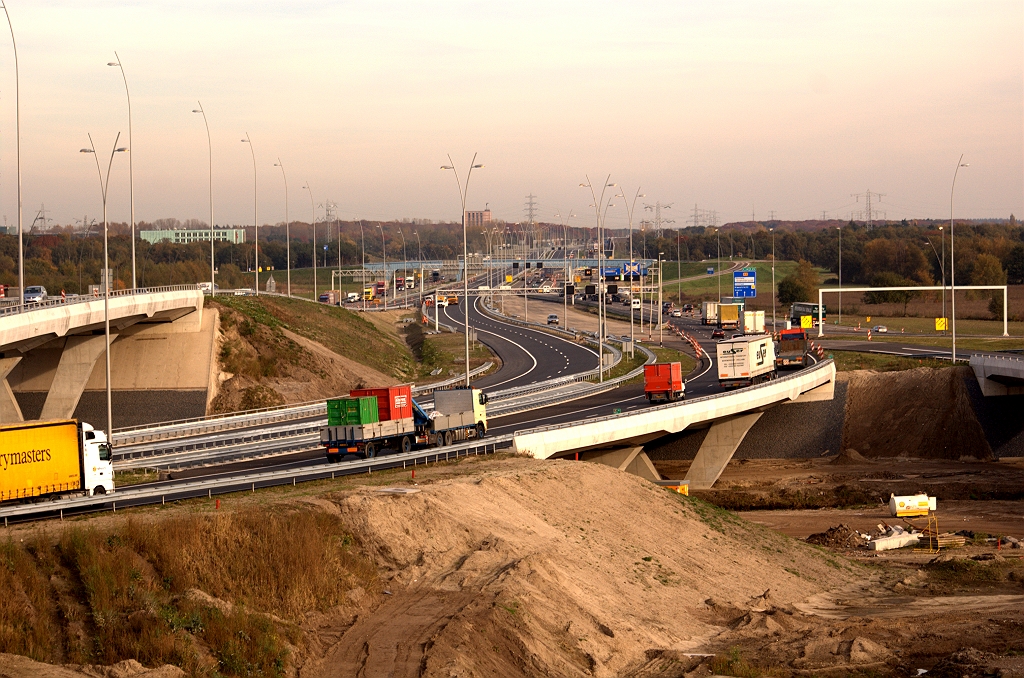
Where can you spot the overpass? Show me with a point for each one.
(51, 352)
(999, 375)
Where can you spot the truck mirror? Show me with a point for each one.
(483, 398)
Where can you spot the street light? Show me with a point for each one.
(629, 215)
(288, 231)
(312, 224)
(104, 183)
(952, 258)
(465, 246)
(255, 213)
(565, 267)
(405, 269)
(942, 232)
(419, 260)
(384, 247)
(772, 231)
(600, 252)
(131, 171)
(840, 229)
(209, 144)
(17, 118)
(718, 236)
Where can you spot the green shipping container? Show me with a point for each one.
(352, 411)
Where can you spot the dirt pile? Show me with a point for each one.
(923, 413)
(545, 568)
(266, 364)
(16, 666)
(840, 536)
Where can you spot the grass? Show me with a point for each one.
(626, 365)
(345, 332)
(671, 355)
(708, 285)
(918, 325)
(847, 361)
(95, 595)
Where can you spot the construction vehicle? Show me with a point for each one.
(53, 459)
(663, 382)
(709, 313)
(729, 316)
(792, 350)
(371, 420)
(746, 360)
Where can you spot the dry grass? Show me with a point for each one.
(101, 596)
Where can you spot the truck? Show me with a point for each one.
(746, 360)
(792, 351)
(752, 322)
(729, 316)
(368, 294)
(663, 382)
(399, 283)
(54, 458)
(394, 420)
(709, 313)
(352, 297)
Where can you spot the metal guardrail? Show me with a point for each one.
(53, 302)
(249, 481)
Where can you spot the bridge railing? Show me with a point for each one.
(51, 302)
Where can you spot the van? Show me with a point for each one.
(352, 297)
(453, 300)
(553, 319)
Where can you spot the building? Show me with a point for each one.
(478, 218)
(187, 235)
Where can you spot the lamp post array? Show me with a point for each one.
(255, 215)
(600, 256)
(312, 225)
(629, 215)
(104, 184)
(463, 192)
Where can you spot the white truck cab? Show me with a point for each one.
(97, 463)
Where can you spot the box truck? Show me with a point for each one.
(728, 316)
(53, 459)
(709, 313)
(746, 360)
(752, 322)
(374, 419)
(664, 382)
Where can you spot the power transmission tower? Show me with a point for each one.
(658, 219)
(531, 214)
(771, 215)
(824, 215)
(695, 219)
(867, 195)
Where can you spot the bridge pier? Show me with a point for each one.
(631, 459)
(76, 365)
(721, 442)
(10, 411)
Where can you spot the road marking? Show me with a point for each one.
(927, 350)
(891, 353)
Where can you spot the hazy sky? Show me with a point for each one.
(739, 107)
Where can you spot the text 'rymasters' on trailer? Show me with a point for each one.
(53, 459)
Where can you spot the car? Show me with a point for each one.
(879, 329)
(553, 319)
(718, 333)
(687, 307)
(35, 294)
(677, 313)
(245, 292)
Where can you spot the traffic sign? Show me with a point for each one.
(711, 270)
(744, 283)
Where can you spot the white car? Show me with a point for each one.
(880, 329)
(34, 294)
(677, 313)
(553, 319)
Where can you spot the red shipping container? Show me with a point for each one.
(393, 402)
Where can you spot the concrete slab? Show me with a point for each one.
(629, 459)
(998, 375)
(719, 445)
(76, 364)
(10, 411)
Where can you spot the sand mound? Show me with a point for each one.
(850, 457)
(16, 666)
(557, 568)
(840, 536)
(924, 413)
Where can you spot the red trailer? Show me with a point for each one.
(393, 402)
(664, 381)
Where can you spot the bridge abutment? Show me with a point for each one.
(10, 411)
(77, 361)
(630, 459)
(720, 443)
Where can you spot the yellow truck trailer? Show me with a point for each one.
(47, 458)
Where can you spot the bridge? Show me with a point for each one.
(51, 352)
(999, 375)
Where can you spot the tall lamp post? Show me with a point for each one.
(255, 213)
(17, 126)
(629, 216)
(952, 257)
(312, 225)
(131, 171)
(942, 232)
(419, 260)
(463, 192)
(209, 145)
(719, 271)
(104, 183)
(772, 230)
(840, 229)
(288, 230)
(384, 247)
(405, 269)
(565, 265)
(600, 251)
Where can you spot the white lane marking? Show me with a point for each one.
(506, 339)
(891, 353)
(927, 350)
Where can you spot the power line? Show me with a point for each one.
(867, 213)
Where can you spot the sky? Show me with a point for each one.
(744, 108)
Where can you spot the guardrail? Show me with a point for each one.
(52, 302)
(175, 490)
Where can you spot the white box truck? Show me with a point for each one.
(752, 322)
(746, 360)
(709, 313)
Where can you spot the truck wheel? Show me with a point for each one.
(480, 430)
(370, 451)
(406, 444)
(447, 438)
(99, 490)
(439, 440)
(333, 458)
